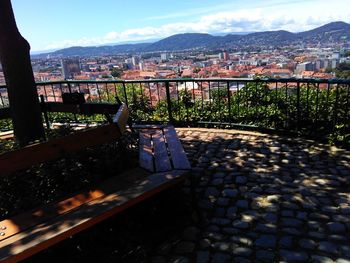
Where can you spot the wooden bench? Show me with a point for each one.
(163, 163)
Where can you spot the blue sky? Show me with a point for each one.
(53, 24)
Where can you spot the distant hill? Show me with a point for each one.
(335, 31)
(182, 42)
(332, 32)
(98, 51)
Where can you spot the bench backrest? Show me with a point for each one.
(55, 148)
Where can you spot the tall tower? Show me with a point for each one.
(70, 67)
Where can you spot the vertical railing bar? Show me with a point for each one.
(98, 92)
(335, 109)
(187, 117)
(202, 98)
(246, 94)
(116, 95)
(79, 87)
(69, 87)
(178, 101)
(317, 108)
(194, 101)
(307, 100)
(46, 98)
(150, 93)
(88, 88)
(133, 92)
(298, 106)
(141, 92)
(219, 104)
(107, 92)
(157, 85)
(347, 104)
(238, 101)
(257, 102)
(53, 93)
(229, 102)
(167, 90)
(276, 101)
(210, 99)
(327, 98)
(61, 90)
(125, 95)
(287, 107)
(265, 88)
(115, 89)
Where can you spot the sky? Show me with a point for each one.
(55, 24)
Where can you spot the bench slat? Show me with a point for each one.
(145, 152)
(34, 217)
(121, 117)
(86, 108)
(35, 239)
(161, 158)
(46, 151)
(53, 149)
(177, 152)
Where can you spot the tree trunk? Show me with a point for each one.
(18, 73)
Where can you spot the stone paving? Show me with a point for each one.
(265, 198)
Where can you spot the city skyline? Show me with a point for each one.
(53, 25)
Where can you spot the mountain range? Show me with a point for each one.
(332, 32)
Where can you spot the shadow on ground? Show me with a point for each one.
(259, 198)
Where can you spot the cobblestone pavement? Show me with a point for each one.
(265, 198)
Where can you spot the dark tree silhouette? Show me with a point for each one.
(23, 96)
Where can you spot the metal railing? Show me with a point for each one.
(315, 107)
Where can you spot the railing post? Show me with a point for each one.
(298, 106)
(229, 101)
(69, 87)
(44, 110)
(335, 108)
(170, 114)
(125, 95)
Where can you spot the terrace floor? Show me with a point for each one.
(260, 198)
(267, 198)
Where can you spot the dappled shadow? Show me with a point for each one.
(258, 197)
(286, 196)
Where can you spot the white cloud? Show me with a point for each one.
(295, 17)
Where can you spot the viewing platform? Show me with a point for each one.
(266, 184)
(259, 198)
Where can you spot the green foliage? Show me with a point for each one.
(116, 72)
(343, 70)
(316, 111)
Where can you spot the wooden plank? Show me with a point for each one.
(6, 135)
(86, 108)
(121, 117)
(161, 158)
(148, 126)
(145, 152)
(41, 152)
(35, 239)
(177, 152)
(45, 213)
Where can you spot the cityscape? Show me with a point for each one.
(299, 60)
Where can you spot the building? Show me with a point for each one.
(70, 67)
(135, 61)
(226, 56)
(164, 56)
(305, 66)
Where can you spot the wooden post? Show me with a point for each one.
(22, 92)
